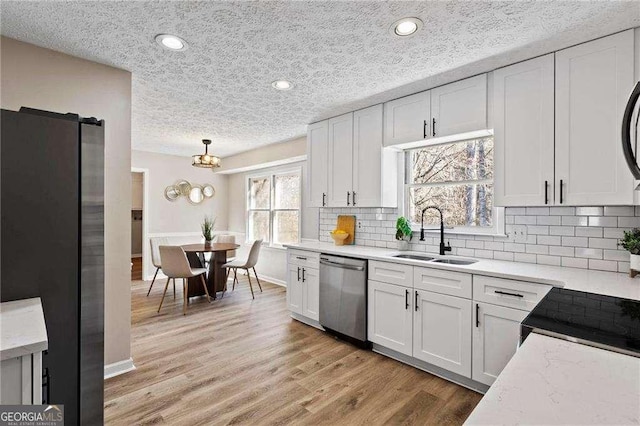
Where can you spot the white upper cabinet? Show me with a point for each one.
(407, 119)
(374, 167)
(459, 107)
(340, 160)
(593, 82)
(523, 119)
(318, 171)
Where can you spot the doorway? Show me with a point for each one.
(138, 223)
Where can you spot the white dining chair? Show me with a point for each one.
(246, 264)
(155, 259)
(176, 265)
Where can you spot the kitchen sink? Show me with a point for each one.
(455, 261)
(414, 257)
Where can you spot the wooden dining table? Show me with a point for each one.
(217, 275)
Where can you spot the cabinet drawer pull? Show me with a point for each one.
(506, 293)
(301, 258)
(424, 130)
(477, 315)
(406, 299)
(303, 280)
(298, 273)
(546, 192)
(433, 127)
(348, 198)
(416, 301)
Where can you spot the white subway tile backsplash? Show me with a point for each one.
(579, 237)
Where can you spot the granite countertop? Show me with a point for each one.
(22, 328)
(551, 381)
(599, 282)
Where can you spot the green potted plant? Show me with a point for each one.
(207, 227)
(404, 234)
(631, 243)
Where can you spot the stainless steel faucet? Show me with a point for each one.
(443, 248)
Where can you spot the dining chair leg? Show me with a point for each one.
(164, 293)
(250, 285)
(153, 281)
(185, 298)
(235, 277)
(206, 290)
(174, 288)
(256, 274)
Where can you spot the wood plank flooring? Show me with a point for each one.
(136, 268)
(244, 361)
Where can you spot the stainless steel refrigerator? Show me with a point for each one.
(52, 246)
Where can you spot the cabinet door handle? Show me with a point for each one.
(406, 299)
(416, 301)
(348, 198)
(301, 258)
(303, 279)
(477, 315)
(506, 293)
(298, 273)
(424, 130)
(354, 197)
(561, 184)
(433, 127)
(323, 198)
(546, 192)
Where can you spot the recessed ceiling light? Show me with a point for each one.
(282, 85)
(171, 42)
(405, 26)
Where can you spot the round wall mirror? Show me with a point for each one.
(171, 193)
(208, 190)
(196, 195)
(184, 187)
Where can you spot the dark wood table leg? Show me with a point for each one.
(217, 271)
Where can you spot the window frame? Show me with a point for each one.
(271, 175)
(498, 220)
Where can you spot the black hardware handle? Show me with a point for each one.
(561, 183)
(416, 301)
(546, 192)
(424, 130)
(323, 197)
(46, 379)
(298, 273)
(348, 197)
(406, 299)
(301, 258)
(303, 279)
(477, 315)
(508, 294)
(354, 198)
(433, 127)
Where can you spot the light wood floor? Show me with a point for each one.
(136, 268)
(238, 361)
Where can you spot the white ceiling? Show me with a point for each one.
(340, 56)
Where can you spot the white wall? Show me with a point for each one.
(178, 219)
(41, 78)
(273, 262)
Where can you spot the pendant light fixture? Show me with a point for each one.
(206, 160)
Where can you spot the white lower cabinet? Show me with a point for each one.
(311, 293)
(442, 332)
(390, 316)
(21, 380)
(294, 289)
(496, 334)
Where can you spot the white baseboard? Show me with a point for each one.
(273, 280)
(118, 368)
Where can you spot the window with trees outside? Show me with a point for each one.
(457, 177)
(273, 207)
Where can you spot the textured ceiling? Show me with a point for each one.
(340, 56)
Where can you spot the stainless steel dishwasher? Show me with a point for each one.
(343, 298)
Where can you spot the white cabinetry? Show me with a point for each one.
(340, 160)
(317, 164)
(495, 339)
(390, 315)
(593, 82)
(303, 283)
(524, 133)
(407, 119)
(442, 332)
(459, 107)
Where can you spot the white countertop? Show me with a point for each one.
(551, 382)
(22, 328)
(600, 282)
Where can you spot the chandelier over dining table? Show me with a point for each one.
(206, 160)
